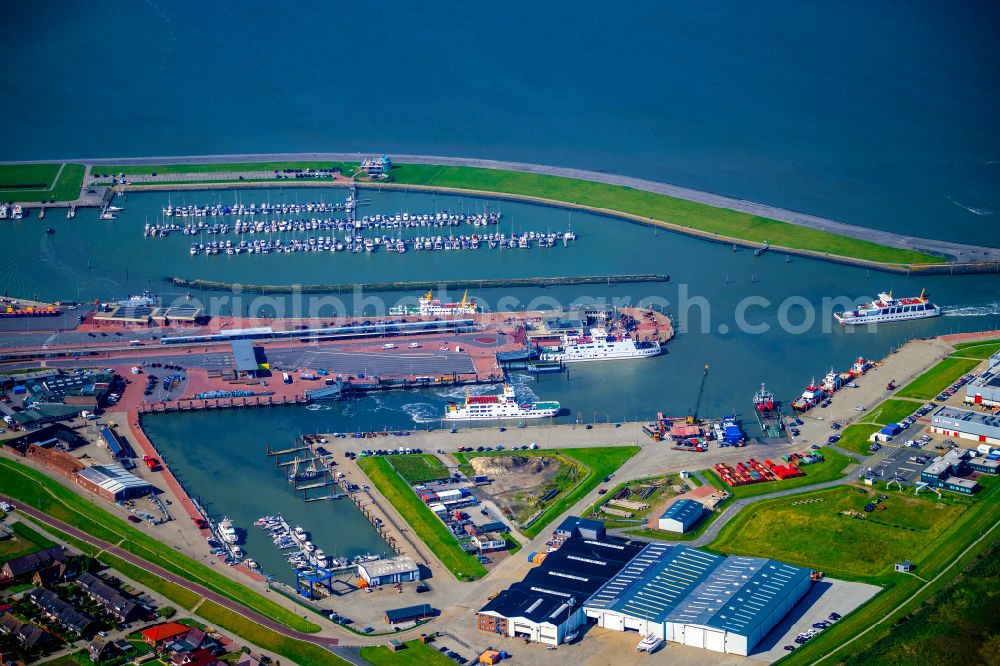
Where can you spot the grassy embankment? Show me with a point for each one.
(652, 207)
(298, 651)
(832, 542)
(938, 378)
(37, 490)
(34, 182)
(418, 467)
(421, 519)
(832, 468)
(958, 626)
(415, 654)
(980, 349)
(598, 462)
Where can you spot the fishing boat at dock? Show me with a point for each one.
(768, 412)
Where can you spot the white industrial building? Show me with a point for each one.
(688, 596)
(386, 572)
(980, 427)
(681, 516)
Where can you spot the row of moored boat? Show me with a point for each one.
(359, 244)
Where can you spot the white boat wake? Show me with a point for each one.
(987, 310)
(422, 412)
(982, 212)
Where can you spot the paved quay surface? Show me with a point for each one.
(962, 252)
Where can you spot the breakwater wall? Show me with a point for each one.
(212, 285)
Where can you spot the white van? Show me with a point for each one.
(414, 345)
(388, 346)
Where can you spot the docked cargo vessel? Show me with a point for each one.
(768, 412)
(816, 393)
(885, 308)
(495, 407)
(432, 307)
(598, 345)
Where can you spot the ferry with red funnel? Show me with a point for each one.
(885, 308)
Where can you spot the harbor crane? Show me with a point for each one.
(693, 416)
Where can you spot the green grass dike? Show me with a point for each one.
(654, 207)
(47, 495)
(649, 207)
(34, 182)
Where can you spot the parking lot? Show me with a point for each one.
(826, 597)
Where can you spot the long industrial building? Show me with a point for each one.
(980, 427)
(677, 593)
(689, 596)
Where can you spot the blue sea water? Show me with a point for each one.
(880, 114)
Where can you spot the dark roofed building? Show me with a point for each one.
(54, 574)
(113, 601)
(29, 564)
(29, 635)
(100, 650)
(244, 357)
(574, 526)
(547, 604)
(409, 614)
(59, 611)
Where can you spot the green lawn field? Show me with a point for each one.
(937, 559)
(30, 183)
(938, 378)
(957, 626)
(422, 520)
(892, 411)
(981, 349)
(855, 437)
(810, 530)
(832, 468)
(414, 654)
(418, 468)
(24, 542)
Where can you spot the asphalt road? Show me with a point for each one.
(961, 251)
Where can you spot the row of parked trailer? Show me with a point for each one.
(752, 471)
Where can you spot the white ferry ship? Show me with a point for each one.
(495, 407)
(886, 308)
(433, 307)
(599, 346)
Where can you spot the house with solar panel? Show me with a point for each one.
(699, 599)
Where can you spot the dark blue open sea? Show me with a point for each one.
(881, 114)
